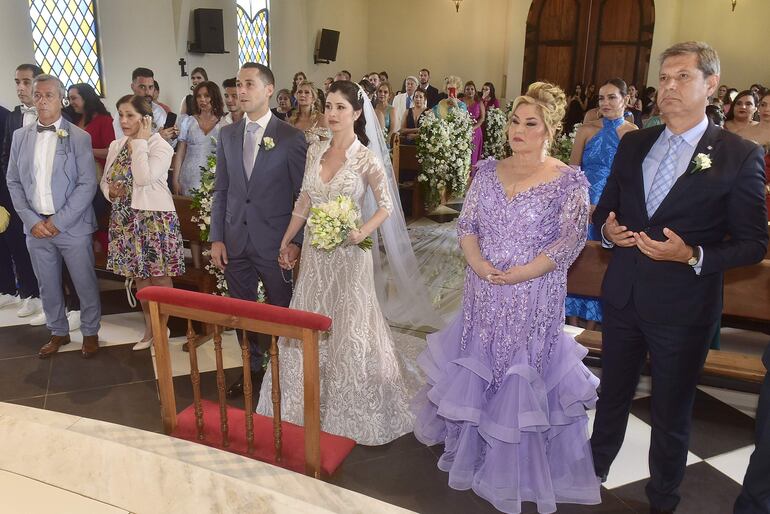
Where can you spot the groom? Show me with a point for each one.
(683, 203)
(260, 165)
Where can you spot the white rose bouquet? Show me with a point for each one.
(495, 136)
(331, 222)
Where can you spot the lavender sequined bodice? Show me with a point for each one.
(519, 324)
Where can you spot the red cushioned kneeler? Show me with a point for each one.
(334, 448)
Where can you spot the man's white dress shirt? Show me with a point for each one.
(45, 148)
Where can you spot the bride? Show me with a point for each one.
(364, 394)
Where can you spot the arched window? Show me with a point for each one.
(66, 41)
(253, 31)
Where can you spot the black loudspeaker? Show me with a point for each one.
(327, 46)
(209, 32)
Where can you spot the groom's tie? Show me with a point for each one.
(665, 176)
(250, 148)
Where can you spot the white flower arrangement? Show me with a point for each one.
(61, 133)
(268, 143)
(444, 154)
(331, 222)
(495, 136)
(561, 148)
(702, 162)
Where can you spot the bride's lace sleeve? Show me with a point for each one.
(573, 223)
(303, 203)
(374, 174)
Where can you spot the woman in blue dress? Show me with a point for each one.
(595, 145)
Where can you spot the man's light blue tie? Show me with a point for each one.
(408, 102)
(250, 148)
(665, 177)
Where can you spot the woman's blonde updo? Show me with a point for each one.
(550, 101)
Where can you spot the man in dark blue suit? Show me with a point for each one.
(260, 165)
(683, 203)
(755, 495)
(17, 276)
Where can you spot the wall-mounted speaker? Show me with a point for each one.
(209, 32)
(327, 46)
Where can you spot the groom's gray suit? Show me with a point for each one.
(250, 216)
(73, 186)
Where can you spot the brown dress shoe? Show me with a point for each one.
(90, 346)
(53, 345)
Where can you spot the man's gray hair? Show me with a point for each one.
(45, 77)
(708, 60)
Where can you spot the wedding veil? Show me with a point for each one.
(401, 290)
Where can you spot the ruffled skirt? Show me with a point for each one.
(526, 440)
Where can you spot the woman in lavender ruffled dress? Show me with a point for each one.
(507, 391)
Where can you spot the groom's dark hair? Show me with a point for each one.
(264, 72)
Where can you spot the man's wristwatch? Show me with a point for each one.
(695, 256)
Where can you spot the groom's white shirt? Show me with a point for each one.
(45, 148)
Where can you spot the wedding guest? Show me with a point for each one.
(452, 85)
(410, 125)
(143, 84)
(757, 89)
(404, 101)
(478, 113)
(755, 494)
(374, 79)
(384, 77)
(198, 137)
(145, 239)
(714, 113)
(727, 100)
(722, 91)
(431, 93)
(197, 75)
(327, 82)
(342, 75)
(507, 393)
(576, 109)
(298, 79)
(307, 115)
(18, 283)
(760, 134)
(233, 106)
(594, 150)
(634, 105)
(592, 100)
(488, 96)
(53, 198)
(90, 114)
(385, 111)
(741, 114)
(156, 95)
(655, 118)
(675, 223)
(369, 89)
(283, 98)
(648, 102)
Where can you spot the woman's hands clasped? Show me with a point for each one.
(488, 272)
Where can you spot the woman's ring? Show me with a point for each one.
(489, 277)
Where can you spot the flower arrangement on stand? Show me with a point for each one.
(444, 153)
(561, 148)
(201, 203)
(495, 140)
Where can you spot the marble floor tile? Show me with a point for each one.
(22, 494)
(734, 463)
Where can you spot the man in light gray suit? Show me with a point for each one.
(52, 181)
(260, 165)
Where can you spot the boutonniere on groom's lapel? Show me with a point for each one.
(702, 162)
(61, 133)
(268, 143)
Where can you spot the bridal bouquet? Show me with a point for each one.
(331, 222)
(495, 137)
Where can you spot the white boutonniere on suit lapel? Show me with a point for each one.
(61, 134)
(268, 143)
(702, 162)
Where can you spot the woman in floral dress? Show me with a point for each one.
(145, 239)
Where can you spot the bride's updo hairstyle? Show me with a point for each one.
(355, 97)
(550, 101)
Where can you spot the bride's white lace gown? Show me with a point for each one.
(363, 392)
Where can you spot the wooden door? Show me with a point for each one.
(588, 41)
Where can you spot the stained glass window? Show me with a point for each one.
(253, 31)
(66, 41)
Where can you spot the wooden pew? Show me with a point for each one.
(406, 168)
(746, 295)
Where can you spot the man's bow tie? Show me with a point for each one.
(28, 110)
(41, 128)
